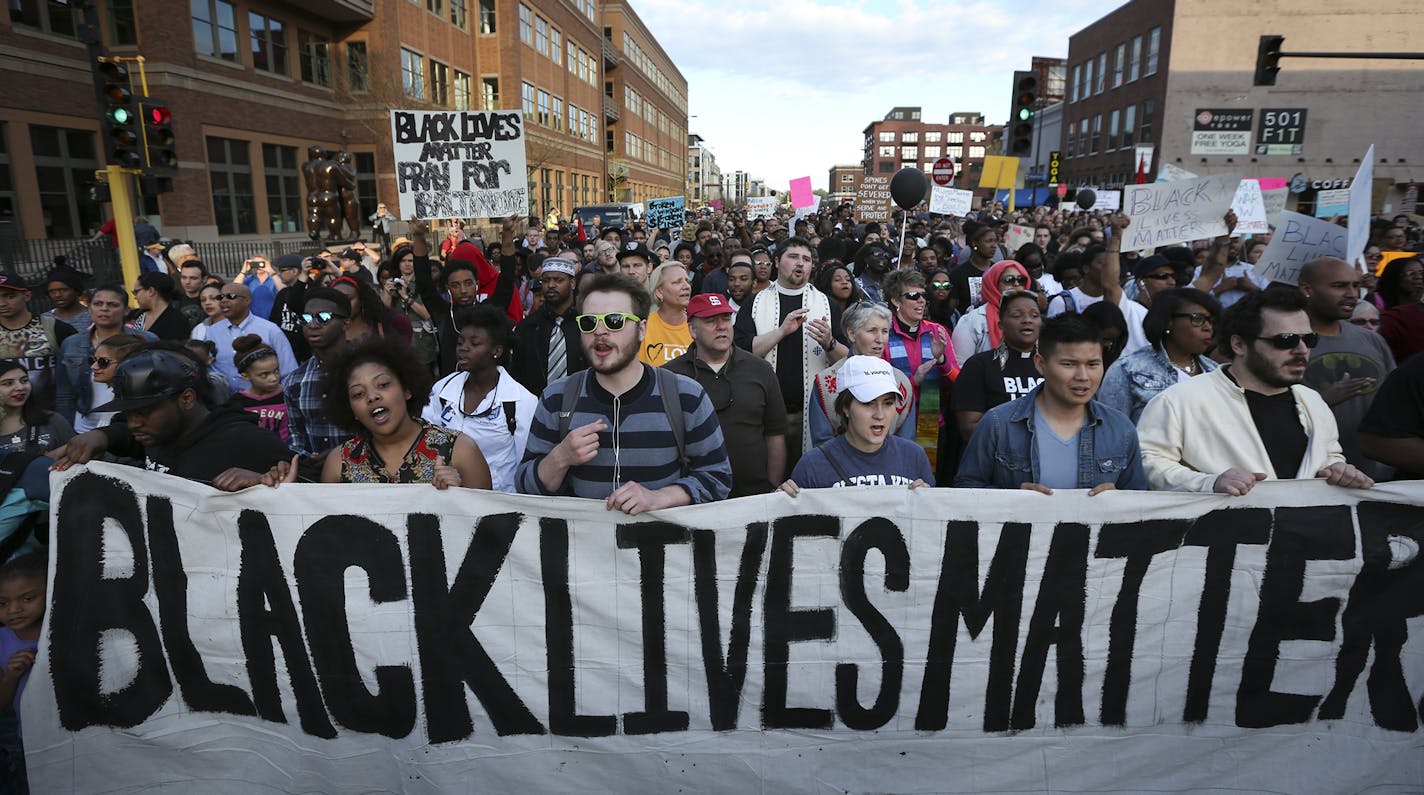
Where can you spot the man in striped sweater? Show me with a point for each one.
(618, 442)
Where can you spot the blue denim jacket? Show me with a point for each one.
(1002, 454)
(74, 392)
(1137, 378)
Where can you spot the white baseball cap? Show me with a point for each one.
(868, 377)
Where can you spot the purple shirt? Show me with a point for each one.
(9, 644)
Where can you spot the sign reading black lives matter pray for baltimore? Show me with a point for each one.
(460, 164)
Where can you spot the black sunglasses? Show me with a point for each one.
(102, 361)
(1288, 342)
(231, 296)
(912, 296)
(317, 319)
(1015, 281)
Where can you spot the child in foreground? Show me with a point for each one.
(22, 609)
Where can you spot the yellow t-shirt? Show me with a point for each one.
(663, 343)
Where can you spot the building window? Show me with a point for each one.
(489, 93)
(978, 137)
(1088, 79)
(269, 43)
(436, 7)
(230, 169)
(439, 83)
(1119, 56)
(1077, 83)
(1134, 65)
(45, 15)
(1083, 136)
(1129, 125)
(573, 59)
(543, 107)
(955, 138)
(526, 25)
(65, 160)
(123, 29)
(541, 35)
(932, 151)
(487, 17)
(358, 75)
(1112, 129)
(284, 195)
(1154, 43)
(910, 137)
(462, 91)
(412, 74)
(527, 97)
(1070, 148)
(7, 183)
(976, 151)
(886, 167)
(909, 153)
(933, 137)
(556, 46)
(215, 29)
(1101, 85)
(458, 10)
(886, 151)
(1097, 140)
(887, 137)
(955, 152)
(556, 111)
(1144, 131)
(366, 192)
(314, 58)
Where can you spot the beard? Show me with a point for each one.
(621, 357)
(1262, 367)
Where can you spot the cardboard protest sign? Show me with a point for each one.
(951, 201)
(1274, 200)
(1107, 201)
(1330, 203)
(808, 210)
(1177, 212)
(1361, 193)
(872, 199)
(801, 194)
(1299, 239)
(1171, 172)
(1018, 236)
(1250, 209)
(667, 213)
(761, 206)
(460, 164)
(999, 171)
(384, 638)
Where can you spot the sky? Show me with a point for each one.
(784, 89)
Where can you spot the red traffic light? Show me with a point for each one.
(158, 114)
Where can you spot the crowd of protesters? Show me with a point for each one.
(651, 368)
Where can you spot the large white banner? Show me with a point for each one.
(394, 638)
(1164, 213)
(460, 164)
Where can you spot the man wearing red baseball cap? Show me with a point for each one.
(744, 393)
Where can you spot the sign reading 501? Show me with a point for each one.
(1282, 132)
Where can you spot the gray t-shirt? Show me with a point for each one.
(1057, 457)
(1361, 354)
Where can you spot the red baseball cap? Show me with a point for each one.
(709, 305)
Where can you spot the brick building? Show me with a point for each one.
(253, 83)
(903, 139)
(843, 181)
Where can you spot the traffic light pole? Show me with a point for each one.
(121, 200)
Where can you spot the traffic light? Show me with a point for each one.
(1020, 138)
(159, 143)
(1268, 58)
(120, 117)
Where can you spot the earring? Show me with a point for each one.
(1168, 331)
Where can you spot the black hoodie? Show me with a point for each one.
(228, 437)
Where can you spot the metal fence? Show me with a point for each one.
(32, 258)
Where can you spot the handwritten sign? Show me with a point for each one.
(1298, 240)
(801, 195)
(1250, 209)
(1018, 236)
(1274, 200)
(951, 201)
(667, 213)
(1106, 201)
(872, 199)
(1171, 172)
(1361, 194)
(1177, 212)
(1330, 203)
(460, 164)
(761, 206)
(810, 209)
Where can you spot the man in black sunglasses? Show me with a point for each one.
(323, 321)
(1253, 419)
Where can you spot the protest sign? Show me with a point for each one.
(801, 194)
(872, 199)
(809, 209)
(1386, 257)
(459, 164)
(1361, 193)
(375, 638)
(667, 213)
(1250, 209)
(951, 201)
(1330, 203)
(761, 206)
(1017, 237)
(999, 171)
(1177, 212)
(1171, 172)
(1107, 201)
(1298, 239)
(1274, 200)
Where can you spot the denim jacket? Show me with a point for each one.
(1002, 454)
(74, 387)
(1137, 378)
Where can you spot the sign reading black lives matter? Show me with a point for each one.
(460, 164)
(375, 638)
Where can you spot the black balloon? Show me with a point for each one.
(1086, 198)
(908, 187)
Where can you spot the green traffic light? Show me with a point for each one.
(1025, 114)
(119, 115)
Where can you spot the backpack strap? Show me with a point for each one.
(836, 465)
(572, 389)
(1069, 305)
(672, 406)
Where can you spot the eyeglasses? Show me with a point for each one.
(913, 296)
(940, 285)
(318, 319)
(1366, 322)
(613, 321)
(103, 362)
(1288, 342)
(231, 296)
(1161, 277)
(1198, 319)
(1014, 281)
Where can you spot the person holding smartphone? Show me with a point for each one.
(259, 277)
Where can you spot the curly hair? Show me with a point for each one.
(392, 352)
